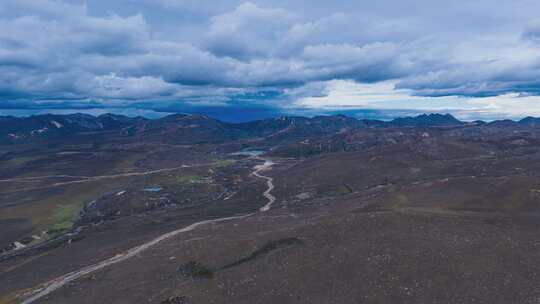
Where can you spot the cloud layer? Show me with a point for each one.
(230, 51)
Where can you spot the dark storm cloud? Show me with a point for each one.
(115, 51)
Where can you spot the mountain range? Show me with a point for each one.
(205, 129)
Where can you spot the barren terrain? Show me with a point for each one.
(344, 212)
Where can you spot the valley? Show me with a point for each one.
(329, 209)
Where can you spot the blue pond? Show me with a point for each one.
(153, 189)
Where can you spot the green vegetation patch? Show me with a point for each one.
(190, 179)
(221, 163)
(401, 200)
(64, 217)
(344, 189)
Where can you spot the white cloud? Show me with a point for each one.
(316, 53)
(248, 31)
(344, 94)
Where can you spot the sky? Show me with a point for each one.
(476, 59)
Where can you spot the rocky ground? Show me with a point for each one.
(343, 212)
(324, 255)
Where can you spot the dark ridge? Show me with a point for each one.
(176, 300)
(195, 270)
(265, 249)
(503, 123)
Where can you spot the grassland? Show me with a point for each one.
(221, 163)
(189, 179)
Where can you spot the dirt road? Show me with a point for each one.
(53, 285)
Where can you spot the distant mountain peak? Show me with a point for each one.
(530, 121)
(433, 119)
